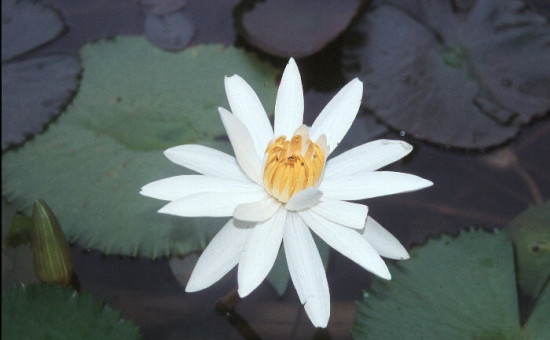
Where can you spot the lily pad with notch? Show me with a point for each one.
(460, 287)
(467, 75)
(35, 89)
(135, 101)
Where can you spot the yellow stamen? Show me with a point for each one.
(293, 165)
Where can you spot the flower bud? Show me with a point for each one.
(51, 254)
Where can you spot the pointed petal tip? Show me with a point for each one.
(293, 67)
(428, 183)
(244, 291)
(192, 287)
(223, 111)
(319, 316)
(357, 82)
(384, 274)
(381, 270)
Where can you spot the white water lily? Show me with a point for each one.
(280, 185)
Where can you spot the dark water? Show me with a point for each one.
(468, 191)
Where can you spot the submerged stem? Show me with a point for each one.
(228, 302)
(226, 306)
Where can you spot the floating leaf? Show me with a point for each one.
(171, 32)
(538, 327)
(451, 288)
(49, 312)
(33, 92)
(213, 21)
(530, 233)
(135, 101)
(466, 75)
(51, 254)
(294, 28)
(18, 36)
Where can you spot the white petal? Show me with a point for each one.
(174, 188)
(371, 184)
(221, 255)
(367, 157)
(348, 214)
(336, 118)
(243, 146)
(289, 106)
(257, 211)
(304, 199)
(306, 270)
(260, 253)
(348, 242)
(246, 106)
(383, 241)
(206, 161)
(212, 204)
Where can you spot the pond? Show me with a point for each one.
(486, 168)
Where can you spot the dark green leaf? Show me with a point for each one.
(49, 312)
(530, 233)
(451, 288)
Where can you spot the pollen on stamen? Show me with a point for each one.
(293, 165)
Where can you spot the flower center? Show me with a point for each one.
(293, 165)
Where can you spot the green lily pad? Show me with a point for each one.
(135, 101)
(530, 234)
(538, 327)
(451, 288)
(49, 312)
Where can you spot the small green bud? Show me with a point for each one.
(51, 254)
